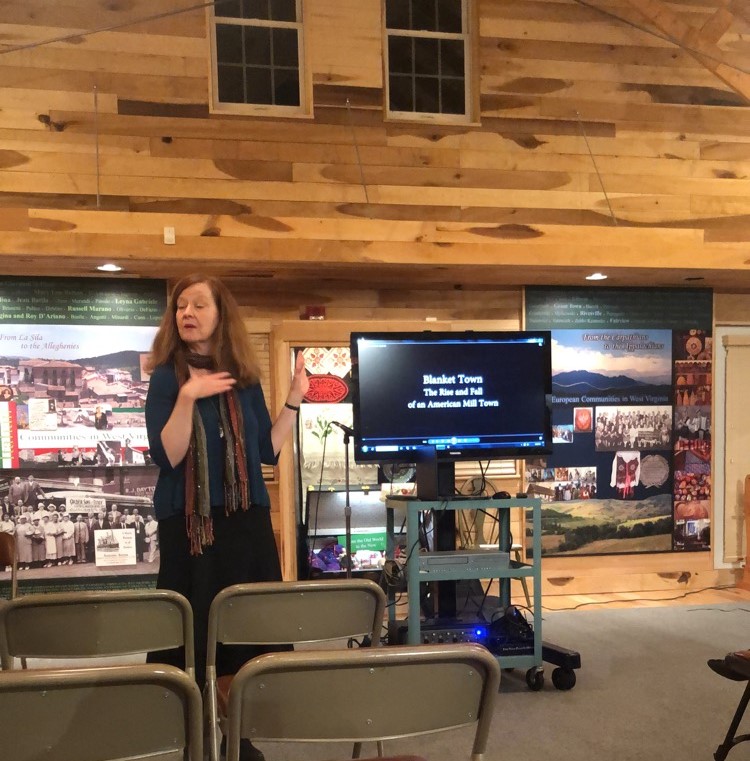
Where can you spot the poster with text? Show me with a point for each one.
(631, 396)
(72, 389)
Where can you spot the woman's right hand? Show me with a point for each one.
(199, 386)
(175, 436)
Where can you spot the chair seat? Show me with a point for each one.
(739, 662)
(734, 666)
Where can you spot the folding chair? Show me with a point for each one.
(735, 666)
(285, 613)
(94, 714)
(95, 624)
(370, 695)
(9, 557)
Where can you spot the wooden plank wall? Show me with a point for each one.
(574, 100)
(670, 143)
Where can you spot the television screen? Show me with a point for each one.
(464, 395)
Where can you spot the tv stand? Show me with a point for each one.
(436, 479)
(527, 654)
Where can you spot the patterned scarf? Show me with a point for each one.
(236, 482)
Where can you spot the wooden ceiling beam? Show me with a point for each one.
(739, 8)
(695, 43)
(717, 25)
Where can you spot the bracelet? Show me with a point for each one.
(291, 407)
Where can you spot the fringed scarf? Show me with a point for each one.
(236, 482)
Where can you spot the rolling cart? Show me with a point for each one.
(528, 650)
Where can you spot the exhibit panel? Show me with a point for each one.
(631, 395)
(76, 478)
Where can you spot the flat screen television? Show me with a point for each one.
(451, 396)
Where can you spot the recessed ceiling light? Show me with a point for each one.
(109, 268)
(596, 276)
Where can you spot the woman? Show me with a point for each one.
(23, 543)
(67, 536)
(100, 419)
(53, 539)
(209, 431)
(7, 526)
(76, 457)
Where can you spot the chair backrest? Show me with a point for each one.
(94, 714)
(95, 624)
(370, 695)
(295, 612)
(282, 613)
(9, 557)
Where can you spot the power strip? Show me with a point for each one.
(440, 632)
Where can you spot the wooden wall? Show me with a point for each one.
(573, 101)
(582, 106)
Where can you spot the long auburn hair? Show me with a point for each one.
(232, 350)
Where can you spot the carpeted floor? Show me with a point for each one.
(644, 692)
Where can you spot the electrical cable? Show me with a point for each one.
(398, 575)
(311, 550)
(639, 599)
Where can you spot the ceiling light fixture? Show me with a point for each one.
(596, 276)
(109, 267)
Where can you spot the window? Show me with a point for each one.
(428, 59)
(257, 56)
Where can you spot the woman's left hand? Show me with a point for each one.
(300, 382)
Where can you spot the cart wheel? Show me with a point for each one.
(564, 679)
(535, 679)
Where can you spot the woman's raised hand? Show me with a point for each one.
(210, 384)
(300, 382)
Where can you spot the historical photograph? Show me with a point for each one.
(633, 427)
(62, 522)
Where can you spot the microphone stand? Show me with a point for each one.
(348, 432)
(347, 509)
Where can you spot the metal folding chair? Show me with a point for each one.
(94, 714)
(285, 613)
(95, 624)
(735, 666)
(370, 695)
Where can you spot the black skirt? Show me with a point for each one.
(244, 550)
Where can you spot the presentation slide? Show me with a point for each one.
(465, 389)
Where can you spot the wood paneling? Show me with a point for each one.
(572, 98)
(380, 220)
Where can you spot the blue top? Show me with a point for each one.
(169, 496)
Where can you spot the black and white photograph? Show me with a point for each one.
(62, 522)
(633, 427)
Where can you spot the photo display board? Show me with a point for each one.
(631, 415)
(74, 459)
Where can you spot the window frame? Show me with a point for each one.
(469, 23)
(304, 110)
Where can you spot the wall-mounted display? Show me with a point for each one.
(72, 387)
(631, 414)
(75, 486)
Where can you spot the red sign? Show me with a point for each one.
(326, 389)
